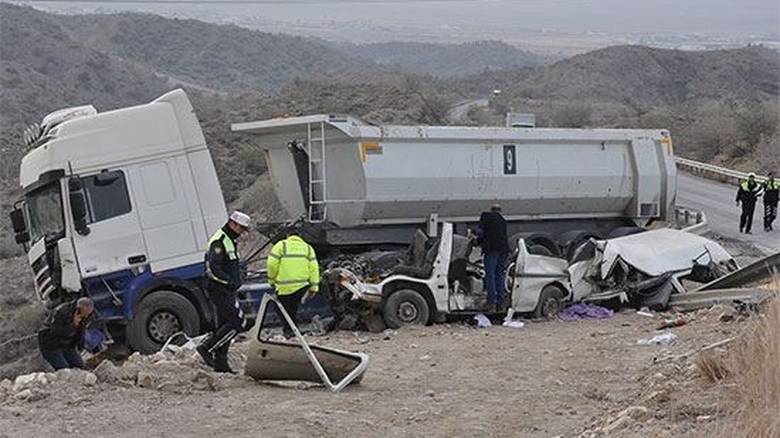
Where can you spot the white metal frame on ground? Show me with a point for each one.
(334, 387)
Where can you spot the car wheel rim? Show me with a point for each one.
(163, 325)
(551, 308)
(407, 312)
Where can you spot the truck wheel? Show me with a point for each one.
(158, 316)
(404, 307)
(540, 250)
(550, 302)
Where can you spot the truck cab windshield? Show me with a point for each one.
(44, 210)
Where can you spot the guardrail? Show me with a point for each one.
(710, 171)
(690, 220)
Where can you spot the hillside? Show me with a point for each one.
(447, 60)
(44, 69)
(647, 76)
(218, 57)
(721, 106)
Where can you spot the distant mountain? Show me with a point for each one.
(648, 76)
(447, 59)
(219, 57)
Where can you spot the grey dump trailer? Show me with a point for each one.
(358, 184)
(389, 208)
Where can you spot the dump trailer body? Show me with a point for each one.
(344, 172)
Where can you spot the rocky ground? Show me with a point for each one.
(586, 378)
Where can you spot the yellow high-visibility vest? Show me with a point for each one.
(292, 265)
(230, 250)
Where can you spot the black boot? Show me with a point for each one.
(203, 351)
(221, 360)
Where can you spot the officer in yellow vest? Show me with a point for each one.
(748, 193)
(223, 278)
(771, 189)
(293, 271)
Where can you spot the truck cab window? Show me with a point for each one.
(107, 195)
(44, 211)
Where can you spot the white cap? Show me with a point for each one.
(751, 174)
(240, 218)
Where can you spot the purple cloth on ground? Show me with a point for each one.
(584, 311)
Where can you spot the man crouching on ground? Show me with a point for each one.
(62, 335)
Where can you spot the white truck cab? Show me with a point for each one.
(119, 205)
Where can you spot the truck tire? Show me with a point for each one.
(540, 250)
(158, 316)
(550, 302)
(404, 307)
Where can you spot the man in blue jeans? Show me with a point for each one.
(492, 237)
(62, 335)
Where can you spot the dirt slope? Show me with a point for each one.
(546, 379)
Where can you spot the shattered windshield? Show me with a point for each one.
(44, 209)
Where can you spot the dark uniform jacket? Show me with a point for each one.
(492, 236)
(771, 189)
(224, 269)
(748, 192)
(58, 331)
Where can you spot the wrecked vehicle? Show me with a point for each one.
(441, 278)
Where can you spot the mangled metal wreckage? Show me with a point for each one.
(440, 277)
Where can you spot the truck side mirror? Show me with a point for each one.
(21, 235)
(17, 220)
(78, 206)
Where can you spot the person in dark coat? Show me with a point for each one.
(492, 237)
(62, 335)
(748, 194)
(771, 189)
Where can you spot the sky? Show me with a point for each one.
(356, 19)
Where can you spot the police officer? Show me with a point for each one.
(771, 188)
(62, 334)
(748, 194)
(223, 278)
(293, 271)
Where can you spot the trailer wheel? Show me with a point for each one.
(540, 250)
(404, 307)
(550, 302)
(158, 316)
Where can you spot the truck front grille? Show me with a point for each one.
(43, 280)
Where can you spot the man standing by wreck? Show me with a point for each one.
(492, 237)
(293, 271)
(747, 195)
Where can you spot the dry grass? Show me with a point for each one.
(755, 368)
(712, 366)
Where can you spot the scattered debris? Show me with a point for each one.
(644, 311)
(482, 320)
(671, 323)
(510, 322)
(667, 338)
(585, 311)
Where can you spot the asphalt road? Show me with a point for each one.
(717, 200)
(458, 112)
